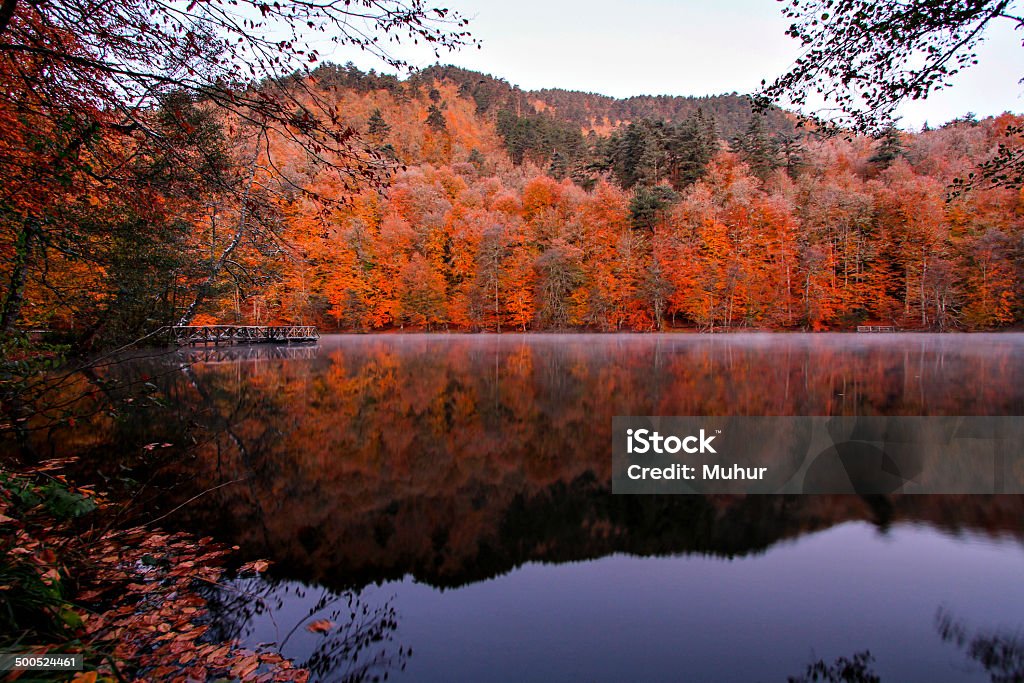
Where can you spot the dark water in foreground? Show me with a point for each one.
(450, 495)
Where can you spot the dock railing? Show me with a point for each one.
(191, 335)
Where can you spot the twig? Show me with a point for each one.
(193, 498)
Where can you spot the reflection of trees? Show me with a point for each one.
(1000, 653)
(354, 641)
(549, 377)
(61, 413)
(855, 669)
(371, 527)
(459, 458)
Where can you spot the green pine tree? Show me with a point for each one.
(792, 153)
(758, 148)
(691, 145)
(890, 148)
(435, 119)
(558, 168)
(376, 126)
(649, 205)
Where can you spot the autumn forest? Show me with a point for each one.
(202, 479)
(460, 202)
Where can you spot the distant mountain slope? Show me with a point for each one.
(601, 113)
(732, 112)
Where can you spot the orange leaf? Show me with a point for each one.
(320, 626)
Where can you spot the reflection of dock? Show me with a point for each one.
(240, 354)
(193, 335)
(875, 328)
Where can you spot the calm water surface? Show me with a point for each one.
(445, 502)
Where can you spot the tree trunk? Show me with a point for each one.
(924, 309)
(216, 266)
(30, 230)
(15, 295)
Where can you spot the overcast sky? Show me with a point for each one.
(686, 47)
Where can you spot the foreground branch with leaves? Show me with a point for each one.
(113, 112)
(862, 59)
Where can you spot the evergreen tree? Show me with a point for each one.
(599, 151)
(435, 119)
(514, 130)
(377, 126)
(890, 148)
(625, 155)
(691, 145)
(648, 206)
(758, 148)
(648, 152)
(539, 137)
(653, 163)
(791, 152)
(582, 175)
(558, 168)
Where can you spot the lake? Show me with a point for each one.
(444, 501)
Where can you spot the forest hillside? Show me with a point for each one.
(471, 204)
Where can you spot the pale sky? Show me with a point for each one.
(686, 47)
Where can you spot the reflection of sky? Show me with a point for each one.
(759, 618)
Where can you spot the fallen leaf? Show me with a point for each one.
(245, 667)
(320, 626)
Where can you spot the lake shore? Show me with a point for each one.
(129, 599)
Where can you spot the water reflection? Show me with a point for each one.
(457, 458)
(345, 637)
(429, 462)
(755, 618)
(1000, 652)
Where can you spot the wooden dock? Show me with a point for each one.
(193, 335)
(875, 328)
